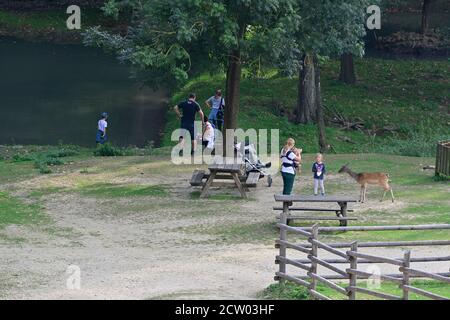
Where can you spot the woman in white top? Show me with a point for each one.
(290, 158)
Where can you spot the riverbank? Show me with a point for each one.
(137, 229)
(49, 25)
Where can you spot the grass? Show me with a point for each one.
(290, 291)
(13, 211)
(388, 93)
(108, 190)
(42, 157)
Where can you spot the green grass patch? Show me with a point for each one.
(14, 211)
(108, 190)
(290, 291)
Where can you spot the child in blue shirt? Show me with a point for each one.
(319, 171)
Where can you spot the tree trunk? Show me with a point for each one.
(323, 146)
(347, 74)
(233, 83)
(306, 106)
(426, 10)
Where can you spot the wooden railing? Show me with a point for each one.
(354, 258)
(443, 158)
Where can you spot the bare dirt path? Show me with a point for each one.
(145, 247)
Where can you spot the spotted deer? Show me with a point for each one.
(365, 178)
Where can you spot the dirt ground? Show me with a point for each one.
(172, 247)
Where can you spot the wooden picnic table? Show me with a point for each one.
(220, 170)
(341, 213)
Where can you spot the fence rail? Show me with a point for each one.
(443, 158)
(353, 258)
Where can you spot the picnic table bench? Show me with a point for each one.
(224, 171)
(341, 212)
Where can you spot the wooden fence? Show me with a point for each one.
(443, 158)
(354, 258)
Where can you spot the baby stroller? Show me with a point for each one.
(251, 160)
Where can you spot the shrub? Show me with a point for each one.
(108, 150)
(42, 167)
(21, 158)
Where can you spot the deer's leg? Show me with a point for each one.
(392, 195)
(385, 189)
(361, 192)
(384, 194)
(365, 192)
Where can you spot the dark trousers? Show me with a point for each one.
(100, 137)
(288, 182)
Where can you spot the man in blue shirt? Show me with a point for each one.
(187, 111)
(216, 103)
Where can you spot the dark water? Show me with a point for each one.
(55, 93)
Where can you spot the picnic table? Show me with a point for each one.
(220, 171)
(341, 212)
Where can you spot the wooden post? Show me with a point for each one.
(405, 280)
(343, 205)
(283, 232)
(314, 250)
(353, 277)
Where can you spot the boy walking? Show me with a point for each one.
(319, 171)
(101, 129)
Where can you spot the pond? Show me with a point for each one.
(52, 93)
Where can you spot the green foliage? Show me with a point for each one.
(172, 39)
(284, 291)
(108, 150)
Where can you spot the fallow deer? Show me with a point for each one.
(365, 178)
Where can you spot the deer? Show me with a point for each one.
(365, 178)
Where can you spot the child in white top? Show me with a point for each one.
(101, 129)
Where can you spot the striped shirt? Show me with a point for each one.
(287, 161)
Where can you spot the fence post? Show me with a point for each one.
(314, 249)
(405, 280)
(438, 159)
(283, 232)
(352, 276)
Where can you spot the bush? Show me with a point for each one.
(42, 167)
(284, 291)
(108, 150)
(21, 158)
